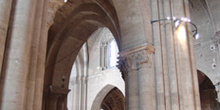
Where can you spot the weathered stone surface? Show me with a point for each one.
(156, 60)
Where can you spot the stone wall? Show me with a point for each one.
(205, 15)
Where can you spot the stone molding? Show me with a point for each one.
(103, 44)
(54, 5)
(136, 58)
(58, 92)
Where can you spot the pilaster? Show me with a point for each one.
(38, 103)
(31, 77)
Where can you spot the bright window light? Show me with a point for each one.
(113, 54)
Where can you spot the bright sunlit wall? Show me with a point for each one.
(113, 54)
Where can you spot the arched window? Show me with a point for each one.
(112, 53)
(108, 50)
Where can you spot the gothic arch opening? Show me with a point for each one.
(208, 94)
(91, 71)
(114, 100)
(74, 23)
(109, 98)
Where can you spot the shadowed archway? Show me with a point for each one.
(109, 98)
(73, 24)
(114, 100)
(208, 94)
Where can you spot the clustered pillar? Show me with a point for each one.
(175, 71)
(158, 76)
(103, 54)
(163, 76)
(77, 98)
(16, 65)
(23, 39)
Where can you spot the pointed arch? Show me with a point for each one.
(100, 97)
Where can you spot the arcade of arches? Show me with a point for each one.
(108, 55)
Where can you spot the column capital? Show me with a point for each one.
(58, 92)
(103, 44)
(136, 58)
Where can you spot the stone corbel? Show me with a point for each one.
(58, 92)
(136, 58)
(57, 98)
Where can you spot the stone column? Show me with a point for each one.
(62, 102)
(105, 55)
(123, 67)
(4, 21)
(186, 74)
(165, 69)
(140, 83)
(31, 78)
(57, 99)
(72, 95)
(49, 10)
(17, 57)
(76, 91)
(41, 58)
(176, 76)
(83, 93)
(52, 105)
(187, 78)
(101, 56)
(78, 95)
(80, 92)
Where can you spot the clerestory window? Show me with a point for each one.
(112, 54)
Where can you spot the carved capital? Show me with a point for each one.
(123, 67)
(137, 58)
